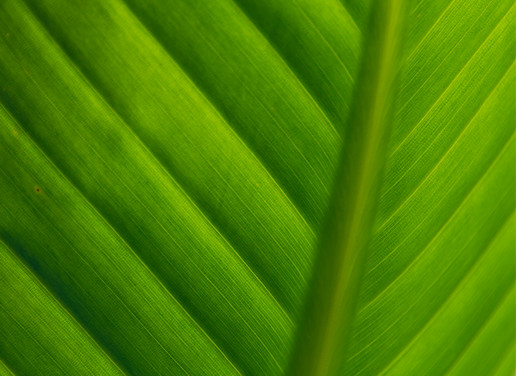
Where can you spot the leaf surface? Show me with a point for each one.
(166, 170)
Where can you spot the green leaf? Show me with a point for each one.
(171, 172)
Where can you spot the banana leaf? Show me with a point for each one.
(257, 187)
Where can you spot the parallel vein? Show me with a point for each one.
(122, 239)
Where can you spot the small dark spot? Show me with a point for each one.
(38, 189)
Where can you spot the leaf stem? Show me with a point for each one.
(326, 326)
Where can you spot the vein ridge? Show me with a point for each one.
(474, 266)
(61, 304)
(225, 242)
(207, 98)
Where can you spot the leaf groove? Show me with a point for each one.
(174, 180)
(478, 331)
(430, 173)
(451, 293)
(93, 207)
(55, 298)
(457, 209)
(457, 76)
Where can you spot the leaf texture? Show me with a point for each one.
(166, 168)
